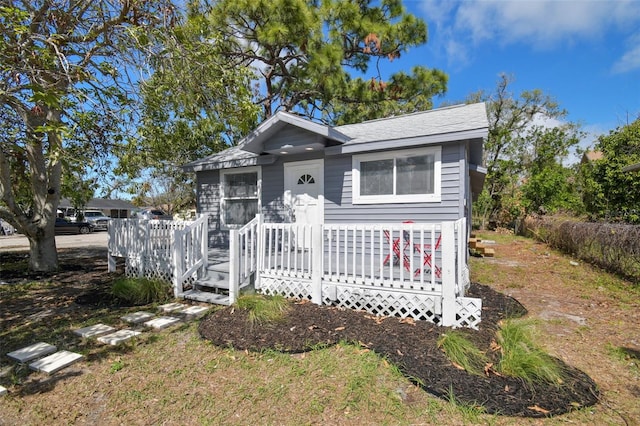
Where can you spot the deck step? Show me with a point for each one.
(32, 352)
(207, 297)
(220, 284)
(219, 267)
(55, 362)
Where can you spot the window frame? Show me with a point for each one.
(434, 197)
(223, 198)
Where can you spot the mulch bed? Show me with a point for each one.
(411, 345)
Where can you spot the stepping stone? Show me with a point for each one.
(93, 330)
(161, 322)
(118, 337)
(31, 352)
(3, 390)
(170, 307)
(55, 362)
(137, 317)
(193, 311)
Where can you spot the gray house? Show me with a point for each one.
(424, 167)
(370, 216)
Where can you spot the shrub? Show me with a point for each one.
(263, 309)
(463, 352)
(521, 357)
(613, 247)
(141, 291)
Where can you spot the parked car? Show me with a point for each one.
(99, 220)
(64, 226)
(153, 214)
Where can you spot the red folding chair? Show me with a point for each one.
(425, 251)
(396, 252)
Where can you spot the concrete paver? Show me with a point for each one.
(170, 307)
(55, 362)
(118, 337)
(137, 317)
(93, 330)
(161, 322)
(32, 352)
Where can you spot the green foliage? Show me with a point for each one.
(314, 57)
(524, 153)
(141, 291)
(63, 107)
(463, 352)
(263, 309)
(522, 358)
(194, 104)
(609, 192)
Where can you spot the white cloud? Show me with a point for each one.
(540, 24)
(630, 61)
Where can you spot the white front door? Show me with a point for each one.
(304, 193)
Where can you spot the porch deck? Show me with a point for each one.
(377, 268)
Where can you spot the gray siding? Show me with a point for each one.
(273, 186)
(337, 186)
(290, 136)
(338, 195)
(208, 183)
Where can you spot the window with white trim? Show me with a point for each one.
(239, 196)
(407, 176)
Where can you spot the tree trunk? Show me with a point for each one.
(43, 256)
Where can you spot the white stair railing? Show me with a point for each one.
(190, 252)
(243, 255)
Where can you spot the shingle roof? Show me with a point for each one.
(442, 121)
(458, 118)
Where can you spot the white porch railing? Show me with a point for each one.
(410, 270)
(170, 250)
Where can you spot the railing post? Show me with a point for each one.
(448, 274)
(234, 266)
(178, 263)
(111, 260)
(259, 252)
(204, 241)
(317, 253)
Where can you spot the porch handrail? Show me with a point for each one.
(190, 252)
(243, 255)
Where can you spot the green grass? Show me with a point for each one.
(263, 309)
(141, 291)
(522, 358)
(463, 352)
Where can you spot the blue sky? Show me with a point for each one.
(586, 54)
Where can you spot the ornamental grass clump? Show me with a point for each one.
(263, 309)
(521, 357)
(141, 291)
(463, 352)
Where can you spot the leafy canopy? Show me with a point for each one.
(64, 96)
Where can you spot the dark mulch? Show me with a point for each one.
(412, 347)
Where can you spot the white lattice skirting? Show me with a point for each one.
(153, 268)
(295, 288)
(419, 306)
(468, 312)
